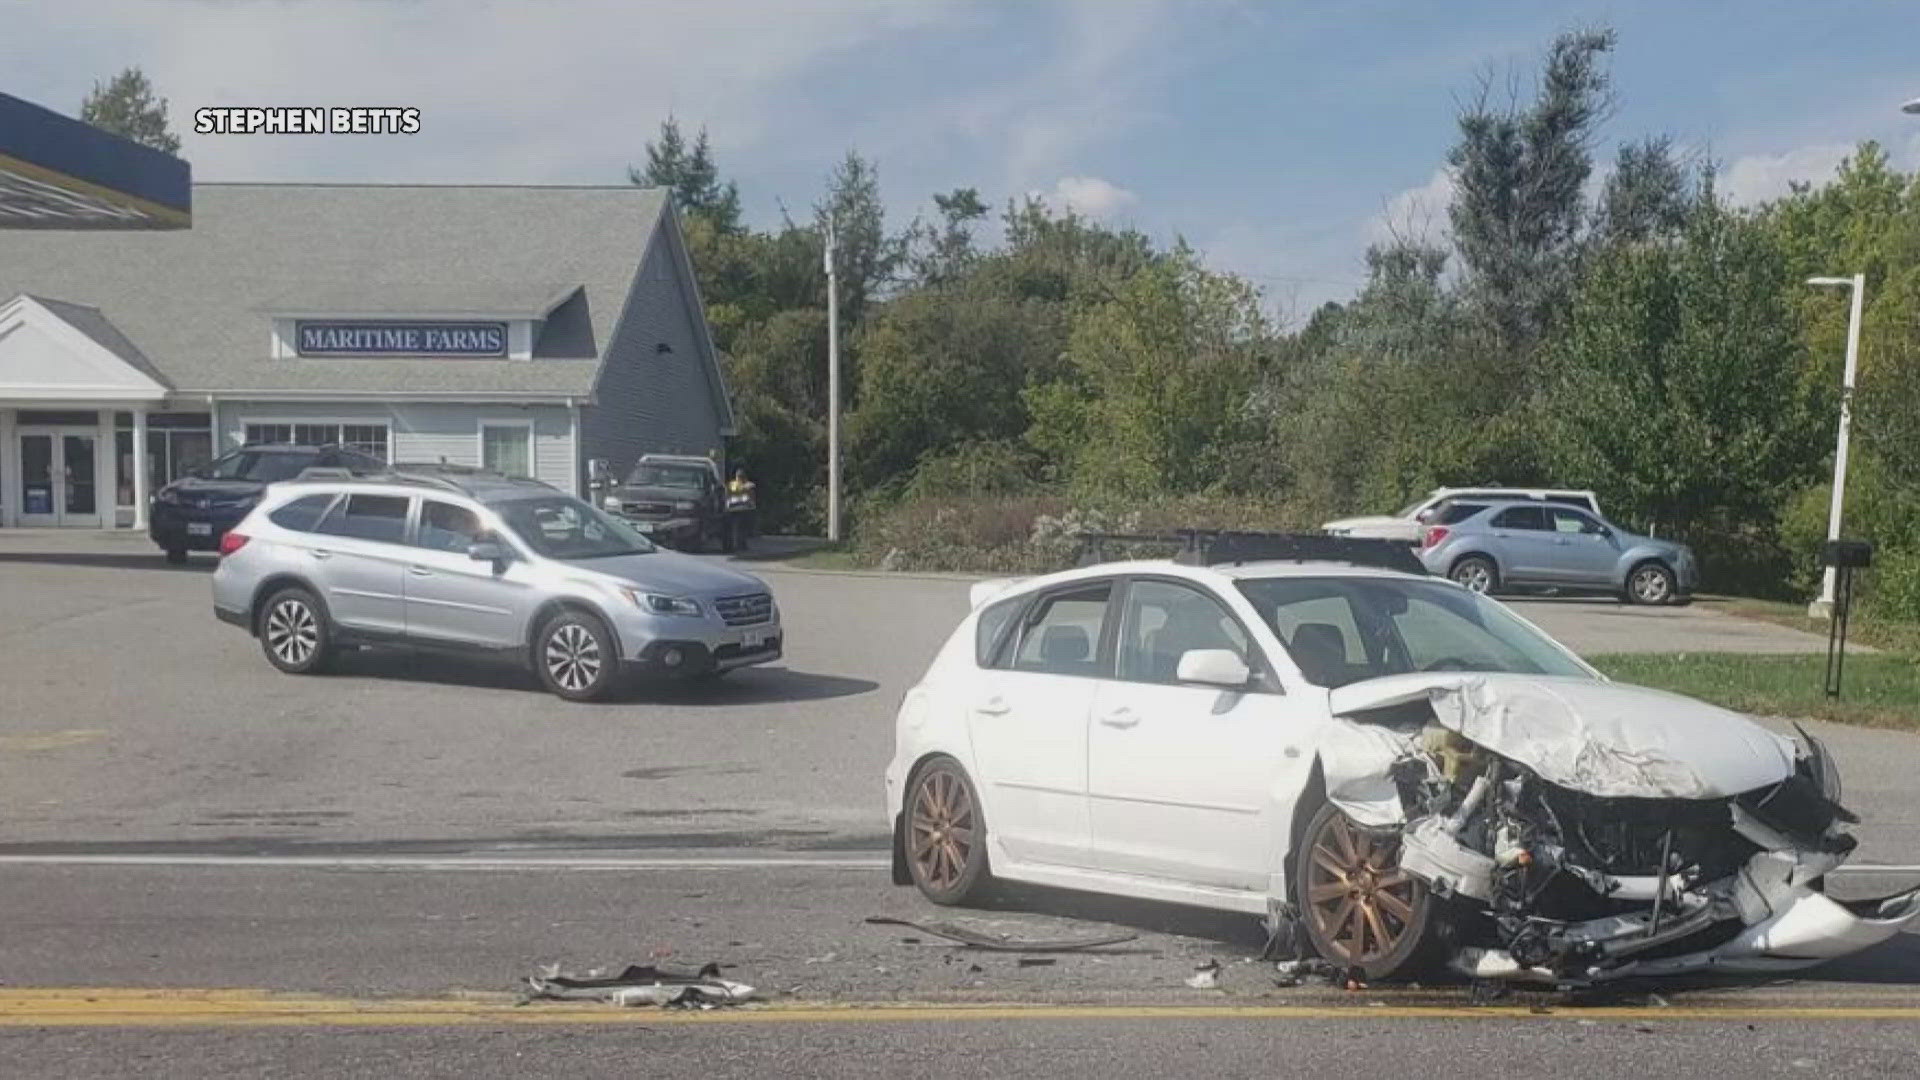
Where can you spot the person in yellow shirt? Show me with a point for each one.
(740, 510)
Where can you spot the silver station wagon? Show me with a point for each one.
(477, 562)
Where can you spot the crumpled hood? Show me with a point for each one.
(1605, 739)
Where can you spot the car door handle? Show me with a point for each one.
(320, 554)
(419, 571)
(1563, 541)
(1120, 718)
(993, 706)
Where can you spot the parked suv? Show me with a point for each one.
(1410, 522)
(195, 511)
(482, 563)
(676, 500)
(1515, 544)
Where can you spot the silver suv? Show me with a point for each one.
(479, 562)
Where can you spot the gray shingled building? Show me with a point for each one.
(529, 329)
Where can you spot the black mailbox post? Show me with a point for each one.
(1845, 556)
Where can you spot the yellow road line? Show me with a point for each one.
(120, 1007)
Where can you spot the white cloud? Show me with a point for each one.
(1757, 178)
(1089, 196)
(1418, 213)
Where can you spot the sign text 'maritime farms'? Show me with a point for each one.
(400, 338)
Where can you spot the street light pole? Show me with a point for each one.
(1823, 607)
(833, 389)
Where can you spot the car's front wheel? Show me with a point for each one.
(1359, 907)
(294, 632)
(575, 657)
(946, 837)
(1650, 583)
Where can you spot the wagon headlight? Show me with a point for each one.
(660, 604)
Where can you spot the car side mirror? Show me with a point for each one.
(1215, 667)
(489, 550)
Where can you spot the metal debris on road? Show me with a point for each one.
(974, 939)
(640, 986)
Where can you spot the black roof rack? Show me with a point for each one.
(1218, 547)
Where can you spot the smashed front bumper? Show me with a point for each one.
(1803, 928)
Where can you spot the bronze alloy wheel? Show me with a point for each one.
(945, 836)
(1360, 908)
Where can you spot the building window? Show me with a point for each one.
(507, 449)
(177, 444)
(366, 438)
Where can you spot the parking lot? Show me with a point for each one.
(445, 825)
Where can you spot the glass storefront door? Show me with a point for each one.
(58, 485)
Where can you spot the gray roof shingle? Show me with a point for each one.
(198, 304)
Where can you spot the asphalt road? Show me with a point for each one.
(175, 814)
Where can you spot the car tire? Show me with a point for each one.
(177, 556)
(1476, 573)
(575, 657)
(1360, 910)
(1651, 583)
(294, 632)
(945, 835)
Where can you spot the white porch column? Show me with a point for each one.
(9, 470)
(140, 467)
(106, 487)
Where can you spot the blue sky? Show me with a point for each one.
(1279, 138)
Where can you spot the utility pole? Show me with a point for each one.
(833, 388)
(1823, 607)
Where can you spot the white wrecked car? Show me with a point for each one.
(1400, 769)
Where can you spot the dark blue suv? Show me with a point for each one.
(195, 511)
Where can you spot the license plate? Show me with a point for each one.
(643, 526)
(755, 639)
(199, 528)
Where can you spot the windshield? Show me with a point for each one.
(266, 466)
(666, 476)
(563, 527)
(1343, 630)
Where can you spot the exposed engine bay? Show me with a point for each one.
(1576, 835)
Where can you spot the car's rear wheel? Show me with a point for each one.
(575, 657)
(1650, 583)
(294, 632)
(1359, 907)
(1476, 573)
(946, 837)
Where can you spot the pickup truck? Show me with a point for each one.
(678, 500)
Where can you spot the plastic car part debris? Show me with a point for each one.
(1293, 972)
(1206, 976)
(641, 985)
(976, 940)
(1037, 961)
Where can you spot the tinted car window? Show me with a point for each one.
(1162, 622)
(446, 527)
(265, 466)
(988, 629)
(1062, 635)
(368, 517)
(1456, 512)
(1580, 501)
(1572, 521)
(301, 514)
(1521, 517)
(563, 527)
(1342, 630)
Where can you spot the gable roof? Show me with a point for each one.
(53, 351)
(199, 303)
